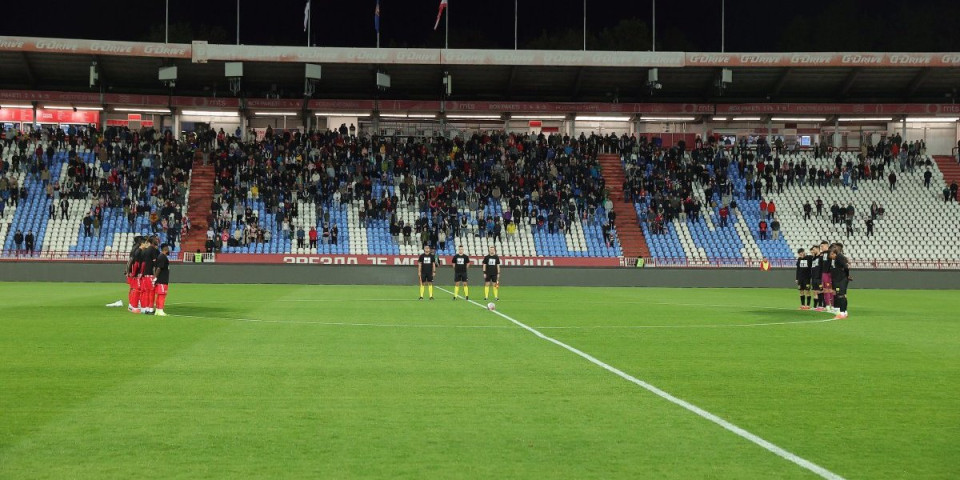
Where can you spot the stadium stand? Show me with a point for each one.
(528, 196)
(908, 219)
(85, 199)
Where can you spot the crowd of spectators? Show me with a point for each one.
(459, 186)
(142, 172)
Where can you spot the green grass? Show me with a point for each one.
(262, 382)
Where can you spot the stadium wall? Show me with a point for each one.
(555, 276)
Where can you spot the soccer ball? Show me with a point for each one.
(491, 306)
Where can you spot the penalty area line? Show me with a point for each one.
(740, 432)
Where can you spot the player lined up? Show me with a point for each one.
(826, 273)
(427, 269)
(148, 276)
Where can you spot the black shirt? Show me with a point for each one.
(149, 256)
(803, 267)
(839, 270)
(427, 263)
(815, 267)
(134, 258)
(460, 263)
(163, 269)
(491, 264)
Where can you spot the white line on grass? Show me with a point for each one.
(339, 324)
(736, 325)
(766, 445)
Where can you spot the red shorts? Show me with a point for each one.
(146, 283)
(133, 282)
(161, 288)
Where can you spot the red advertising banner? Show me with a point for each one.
(287, 104)
(825, 59)
(838, 108)
(405, 260)
(481, 107)
(94, 47)
(350, 106)
(557, 108)
(49, 116)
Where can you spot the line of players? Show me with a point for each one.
(826, 272)
(427, 270)
(148, 276)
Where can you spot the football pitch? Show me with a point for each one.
(265, 381)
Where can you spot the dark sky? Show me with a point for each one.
(752, 25)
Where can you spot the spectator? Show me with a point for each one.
(301, 235)
(724, 214)
(775, 229)
(18, 242)
(313, 237)
(893, 181)
(819, 204)
(88, 225)
(953, 190)
(28, 241)
(869, 227)
(927, 176)
(807, 210)
(771, 210)
(763, 229)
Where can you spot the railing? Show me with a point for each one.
(61, 256)
(625, 262)
(870, 264)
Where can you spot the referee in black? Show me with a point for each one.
(461, 263)
(491, 274)
(426, 269)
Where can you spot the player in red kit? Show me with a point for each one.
(149, 253)
(161, 274)
(132, 272)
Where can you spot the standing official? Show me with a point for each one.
(426, 269)
(491, 274)
(461, 263)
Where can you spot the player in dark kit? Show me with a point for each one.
(816, 278)
(491, 274)
(132, 272)
(460, 263)
(840, 275)
(426, 269)
(803, 278)
(826, 282)
(161, 273)
(149, 253)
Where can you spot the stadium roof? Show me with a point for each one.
(478, 75)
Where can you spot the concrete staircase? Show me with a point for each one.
(949, 167)
(201, 197)
(632, 241)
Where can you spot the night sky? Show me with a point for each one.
(752, 25)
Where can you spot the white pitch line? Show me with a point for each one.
(338, 324)
(765, 444)
(737, 325)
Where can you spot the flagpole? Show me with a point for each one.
(584, 25)
(309, 18)
(516, 16)
(238, 22)
(653, 41)
(446, 35)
